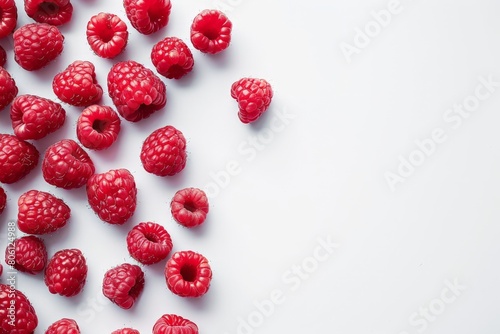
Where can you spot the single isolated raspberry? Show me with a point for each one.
(107, 35)
(188, 274)
(66, 272)
(135, 90)
(147, 16)
(34, 117)
(8, 17)
(189, 207)
(123, 284)
(163, 152)
(54, 12)
(36, 45)
(253, 97)
(27, 254)
(149, 243)
(172, 58)
(17, 158)
(3, 200)
(8, 88)
(126, 331)
(24, 320)
(66, 165)
(3, 56)
(211, 31)
(98, 127)
(113, 195)
(174, 324)
(63, 326)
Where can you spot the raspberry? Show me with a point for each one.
(135, 90)
(123, 284)
(17, 158)
(253, 97)
(174, 324)
(27, 254)
(63, 326)
(149, 243)
(3, 200)
(172, 58)
(211, 31)
(107, 35)
(35, 117)
(189, 207)
(3, 56)
(77, 84)
(24, 321)
(66, 165)
(98, 127)
(66, 272)
(188, 274)
(163, 152)
(8, 88)
(54, 12)
(126, 331)
(112, 195)
(8, 17)
(147, 16)
(36, 45)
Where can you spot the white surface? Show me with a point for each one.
(320, 176)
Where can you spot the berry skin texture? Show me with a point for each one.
(188, 274)
(211, 31)
(8, 88)
(113, 195)
(189, 207)
(54, 12)
(3, 56)
(17, 158)
(63, 326)
(77, 84)
(36, 45)
(98, 127)
(163, 152)
(126, 331)
(172, 58)
(147, 16)
(25, 320)
(123, 284)
(29, 254)
(253, 97)
(135, 90)
(35, 117)
(66, 272)
(107, 35)
(149, 243)
(3, 200)
(66, 165)
(174, 324)
(8, 19)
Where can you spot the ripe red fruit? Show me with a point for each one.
(189, 207)
(98, 127)
(253, 97)
(126, 331)
(211, 31)
(63, 326)
(3, 200)
(54, 12)
(3, 56)
(147, 16)
(188, 274)
(27, 254)
(25, 319)
(8, 88)
(8, 19)
(17, 158)
(107, 35)
(174, 324)
(149, 243)
(66, 272)
(172, 58)
(123, 284)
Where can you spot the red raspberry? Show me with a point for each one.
(35, 117)
(149, 243)
(77, 84)
(189, 207)
(135, 90)
(63, 326)
(147, 16)
(188, 274)
(3, 56)
(3, 200)
(98, 127)
(66, 272)
(17, 158)
(163, 152)
(211, 31)
(25, 319)
(27, 254)
(174, 324)
(126, 331)
(172, 58)
(36, 45)
(113, 195)
(40, 212)
(123, 284)
(66, 165)
(54, 12)
(253, 97)
(107, 35)
(8, 17)
(8, 88)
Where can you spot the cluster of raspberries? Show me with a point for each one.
(136, 92)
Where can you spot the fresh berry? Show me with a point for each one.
(147, 16)
(174, 324)
(55, 12)
(98, 127)
(107, 35)
(172, 58)
(36, 45)
(8, 17)
(66, 165)
(211, 31)
(77, 84)
(3, 200)
(27, 254)
(253, 97)
(126, 331)
(34, 117)
(135, 90)
(63, 326)
(123, 284)
(3, 56)
(188, 274)
(189, 207)
(66, 272)
(164, 152)
(24, 320)
(40, 212)
(8, 88)
(17, 158)
(149, 243)
(112, 195)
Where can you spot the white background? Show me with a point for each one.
(320, 175)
